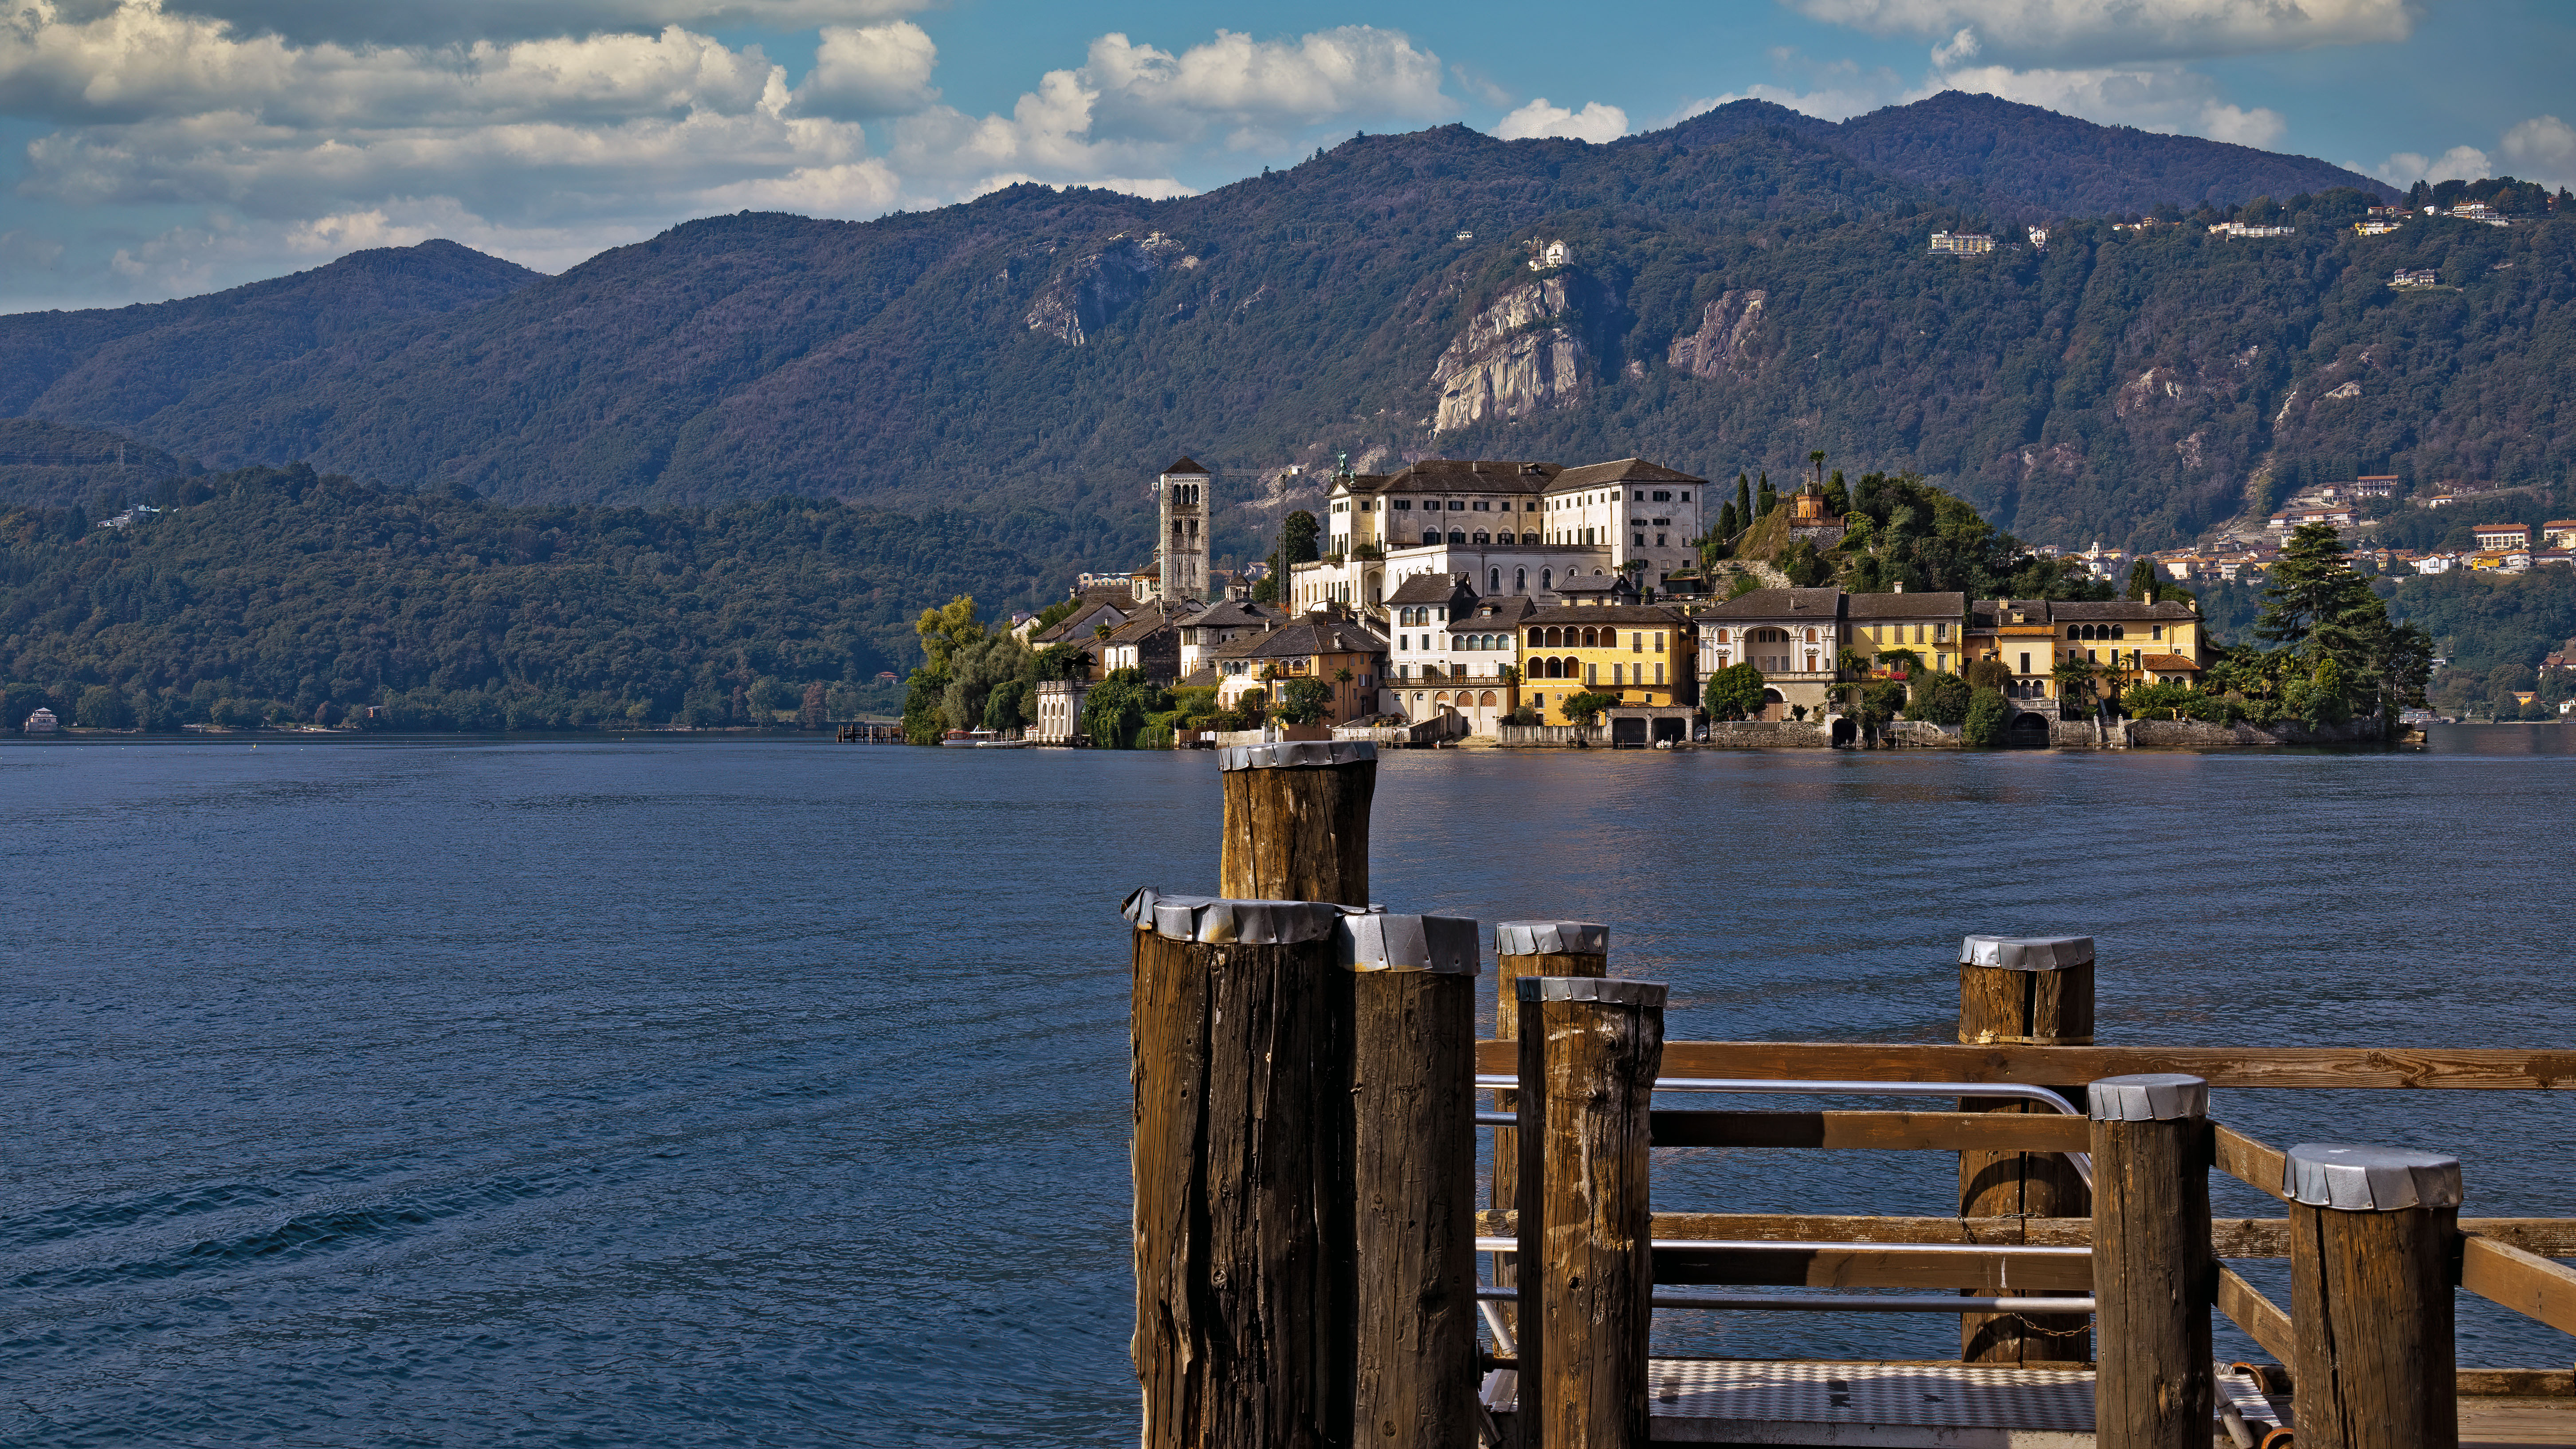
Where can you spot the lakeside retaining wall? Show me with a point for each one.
(1755, 734)
(2148, 734)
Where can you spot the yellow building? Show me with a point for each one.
(2123, 640)
(1640, 653)
(1933, 626)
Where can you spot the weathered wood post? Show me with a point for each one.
(2035, 991)
(2374, 1235)
(1412, 1100)
(1297, 821)
(1240, 1059)
(1590, 1050)
(2153, 1275)
(1531, 948)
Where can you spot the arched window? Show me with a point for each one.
(1520, 581)
(1431, 535)
(1493, 585)
(1556, 638)
(1538, 640)
(1811, 638)
(1546, 580)
(1457, 535)
(1529, 538)
(2119, 633)
(1486, 700)
(1483, 537)
(1591, 638)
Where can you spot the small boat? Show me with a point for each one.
(979, 739)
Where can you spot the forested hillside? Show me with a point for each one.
(1740, 292)
(280, 594)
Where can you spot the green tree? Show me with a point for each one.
(1115, 709)
(1734, 692)
(2075, 675)
(103, 708)
(2142, 582)
(1304, 701)
(1764, 500)
(1004, 707)
(1942, 700)
(1581, 708)
(1991, 674)
(1744, 514)
(1297, 533)
(1984, 721)
(768, 697)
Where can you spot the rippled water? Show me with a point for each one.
(460, 1093)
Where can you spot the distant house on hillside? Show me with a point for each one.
(2238, 228)
(2331, 516)
(2559, 533)
(2374, 485)
(1963, 244)
(41, 722)
(2422, 277)
(2492, 536)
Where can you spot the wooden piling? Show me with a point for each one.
(1296, 821)
(1589, 1054)
(2374, 1238)
(2028, 991)
(1531, 948)
(1413, 1134)
(2153, 1275)
(1239, 1059)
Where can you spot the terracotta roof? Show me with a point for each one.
(1086, 613)
(1431, 588)
(1907, 606)
(1461, 475)
(1312, 636)
(1663, 614)
(1233, 613)
(1184, 466)
(2168, 663)
(1625, 470)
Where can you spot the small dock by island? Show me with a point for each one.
(1318, 1263)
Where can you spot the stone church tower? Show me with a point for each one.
(1182, 547)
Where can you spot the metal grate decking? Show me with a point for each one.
(1878, 1405)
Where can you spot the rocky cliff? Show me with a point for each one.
(1727, 341)
(1519, 356)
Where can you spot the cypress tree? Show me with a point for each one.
(1727, 527)
(1763, 498)
(1743, 501)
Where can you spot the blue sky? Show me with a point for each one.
(161, 148)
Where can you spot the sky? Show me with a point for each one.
(162, 148)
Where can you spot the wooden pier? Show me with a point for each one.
(1307, 1227)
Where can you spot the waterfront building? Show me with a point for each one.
(1149, 643)
(1059, 711)
(1322, 644)
(1931, 625)
(1217, 624)
(1512, 526)
(1641, 653)
(2123, 640)
(1794, 636)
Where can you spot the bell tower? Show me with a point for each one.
(1181, 549)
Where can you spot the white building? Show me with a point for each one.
(1963, 244)
(1514, 528)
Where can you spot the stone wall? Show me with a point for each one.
(2151, 734)
(1768, 735)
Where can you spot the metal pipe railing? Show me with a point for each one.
(1794, 1245)
(1838, 1302)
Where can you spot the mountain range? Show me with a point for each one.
(1734, 291)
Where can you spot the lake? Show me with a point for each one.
(673, 1091)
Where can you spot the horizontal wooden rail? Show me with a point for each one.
(2263, 1320)
(2248, 1161)
(2393, 1068)
(1901, 1131)
(1895, 1266)
(2229, 1237)
(2523, 1281)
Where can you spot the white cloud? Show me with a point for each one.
(359, 22)
(1130, 111)
(868, 71)
(2167, 99)
(283, 150)
(1835, 90)
(2543, 148)
(2080, 31)
(1596, 122)
(2460, 163)
(1960, 47)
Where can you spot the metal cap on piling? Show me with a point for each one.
(1551, 938)
(1294, 754)
(2026, 953)
(1590, 988)
(1376, 942)
(2356, 1178)
(2147, 1097)
(1214, 921)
